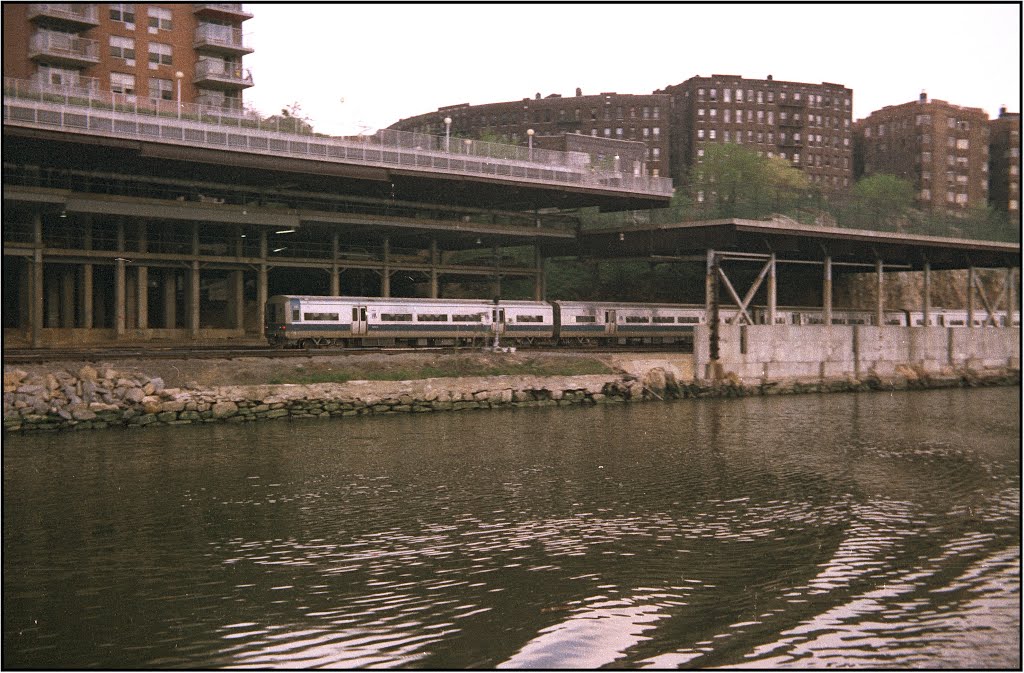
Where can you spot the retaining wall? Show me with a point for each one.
(819, 352)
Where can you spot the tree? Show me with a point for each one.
(735, 181)
(884, 198)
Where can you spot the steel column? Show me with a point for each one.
(970, 296)
(86, 289)
(880, 304)
(170, 298)
(434, 288)
(142, 283)
(385, 281)
(540, 281)
(772, 291)
(261, 284)
(1011, 296)
(927, 290)
(120, 309)
(826, 292)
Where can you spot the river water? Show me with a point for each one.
(849, 530)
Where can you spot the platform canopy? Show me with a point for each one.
(685, 241)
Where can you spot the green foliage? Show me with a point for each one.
(885, 198)
(734, 181)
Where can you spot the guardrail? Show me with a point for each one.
(27, 103)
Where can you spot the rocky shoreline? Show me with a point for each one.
(95, 398)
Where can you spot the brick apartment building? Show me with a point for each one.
(941, 148)
(137, 50)
(1004, 164)
(609, 116)
(809, 125)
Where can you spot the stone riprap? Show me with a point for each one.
(102, 397)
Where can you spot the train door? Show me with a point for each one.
(609, 323)
(498, 321)
(359, 321)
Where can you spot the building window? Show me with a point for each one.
(656, 132)
(608, 133)
(727, 95)
(646, 132)
(739, 95)
(161, 88)
(618, 132)
(122, 83)
(700, 134)
(711, 134)
(656, 153)
(713, 113)
(963, 144)
(647, 112)
(159, 54)
(159, 19)
(771, 117)
(700, 112)
(123, 12)
(656, 112)
(726, 136)
(727, 113)
(122, 48)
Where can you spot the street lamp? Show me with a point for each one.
(447, 133)
(179, 76)
(529, 139)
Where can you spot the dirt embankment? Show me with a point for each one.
(206, 373)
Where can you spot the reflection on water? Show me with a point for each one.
(845, 530)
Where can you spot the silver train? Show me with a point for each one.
(311, 321)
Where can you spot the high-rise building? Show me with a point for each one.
(808, 125)
(1004, 164)
(188, 52)
(626, 117)
(941, 148)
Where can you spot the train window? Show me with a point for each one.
(586, 318)
(355, 314)
(662, 319)
(432, 317)
(637, 319)
(296, 315)
(333, 317)
(396, 317)
(472, 317)
(529, 318)
(689, 319)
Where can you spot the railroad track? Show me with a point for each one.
(14, 356)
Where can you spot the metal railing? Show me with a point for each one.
(26, 103)
(74, 11)
(224, 36)
(61, 44)
(231, 72)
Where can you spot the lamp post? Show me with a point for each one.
(447, 133)
(529, 140)
(179, 76)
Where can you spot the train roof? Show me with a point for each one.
(409, 300)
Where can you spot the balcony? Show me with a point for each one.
(224, 39)
(66, 86)
(221, 10)
(65, 15)
(64, 49)
(224, 76)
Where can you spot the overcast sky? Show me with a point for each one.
(353, 66)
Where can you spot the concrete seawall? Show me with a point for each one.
(763, 353)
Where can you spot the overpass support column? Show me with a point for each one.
(772, 291)
(142, 283)
(826, 293)
(170, 299)
(119, 285)
(434, 289)
(970, 296)
(36, 284)
(927, 291)
(238, 299)
(880, 304)
(540, 290)
(496, 285)
(1011, 296)
(385, 279)
(261, 284)
(67, 297)
(86, 289)
(193, 285)
(335, 272)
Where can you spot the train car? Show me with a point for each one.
(610, 322)
(348, 321)
(523, 322)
